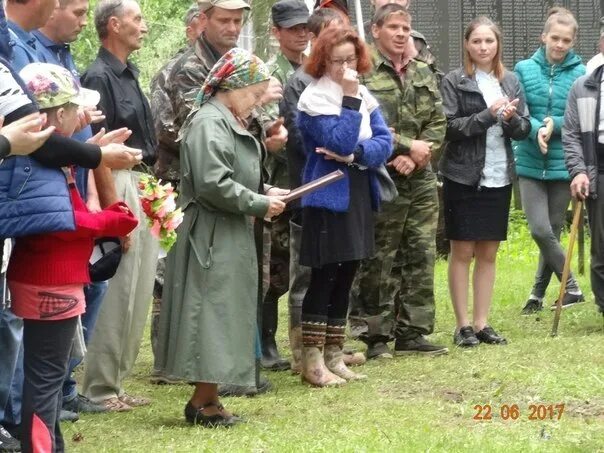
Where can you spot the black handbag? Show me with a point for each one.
(388, 191)
(105, 258)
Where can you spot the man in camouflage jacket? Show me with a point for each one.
(167, 166)
(398, 283)
(289, 28)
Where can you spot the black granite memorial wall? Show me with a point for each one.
(443, 23)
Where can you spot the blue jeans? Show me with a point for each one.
(94, 294)
(11, 367)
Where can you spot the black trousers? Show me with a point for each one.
(328, 293)
(46, 348)
(595, 211)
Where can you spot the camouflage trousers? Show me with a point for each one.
(275, 259)
(393, 292)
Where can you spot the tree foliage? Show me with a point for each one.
(166, 35)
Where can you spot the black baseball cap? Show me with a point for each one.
(289, 13)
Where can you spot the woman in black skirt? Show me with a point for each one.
(342, 129)
(485, 109)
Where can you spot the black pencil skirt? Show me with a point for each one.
(476, 213)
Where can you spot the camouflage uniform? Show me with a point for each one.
(276, 166)
(401, 275)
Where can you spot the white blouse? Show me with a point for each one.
(495, 171)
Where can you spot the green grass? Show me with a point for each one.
(407, 404)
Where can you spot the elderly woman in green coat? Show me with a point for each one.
(208, 323)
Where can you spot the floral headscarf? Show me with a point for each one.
(237, 68)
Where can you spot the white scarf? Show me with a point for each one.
(324, 97)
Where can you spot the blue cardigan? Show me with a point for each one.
(340, 135)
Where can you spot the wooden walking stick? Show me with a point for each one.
(574, 228)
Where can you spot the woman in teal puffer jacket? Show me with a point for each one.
(546, 79)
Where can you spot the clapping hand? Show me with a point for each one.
(88, 115)
(509, 110)
(119, 156)
(118, 136)
(26, 135)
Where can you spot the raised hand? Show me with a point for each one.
(119, 156)
(350, 82)
(26, 135)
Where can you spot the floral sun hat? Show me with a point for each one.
(53, 86)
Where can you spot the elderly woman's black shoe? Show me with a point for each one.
(196, 416)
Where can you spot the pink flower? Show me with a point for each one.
(170, 203)
(156, 229)
(174, 220)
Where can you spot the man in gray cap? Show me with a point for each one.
(289, 28)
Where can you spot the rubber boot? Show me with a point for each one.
(335, 333)
(334, 360)
(271, 360)
(295, 339)
(314, 371)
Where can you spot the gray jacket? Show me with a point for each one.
(580, 129)
(468, 119)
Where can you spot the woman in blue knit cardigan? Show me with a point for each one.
(343, 129)
(546, 79)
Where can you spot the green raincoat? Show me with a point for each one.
(208, 316)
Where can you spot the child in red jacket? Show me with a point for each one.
(47, 272)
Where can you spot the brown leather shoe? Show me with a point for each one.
(353, 358)
(134, 401)
(114, 404)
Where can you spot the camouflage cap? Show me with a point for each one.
(205, 5)
(602, 26)
(191, 13)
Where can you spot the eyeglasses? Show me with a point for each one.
(340, 62)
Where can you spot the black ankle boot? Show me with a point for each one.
(271, 360)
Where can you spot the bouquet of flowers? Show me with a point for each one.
(159, 204)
